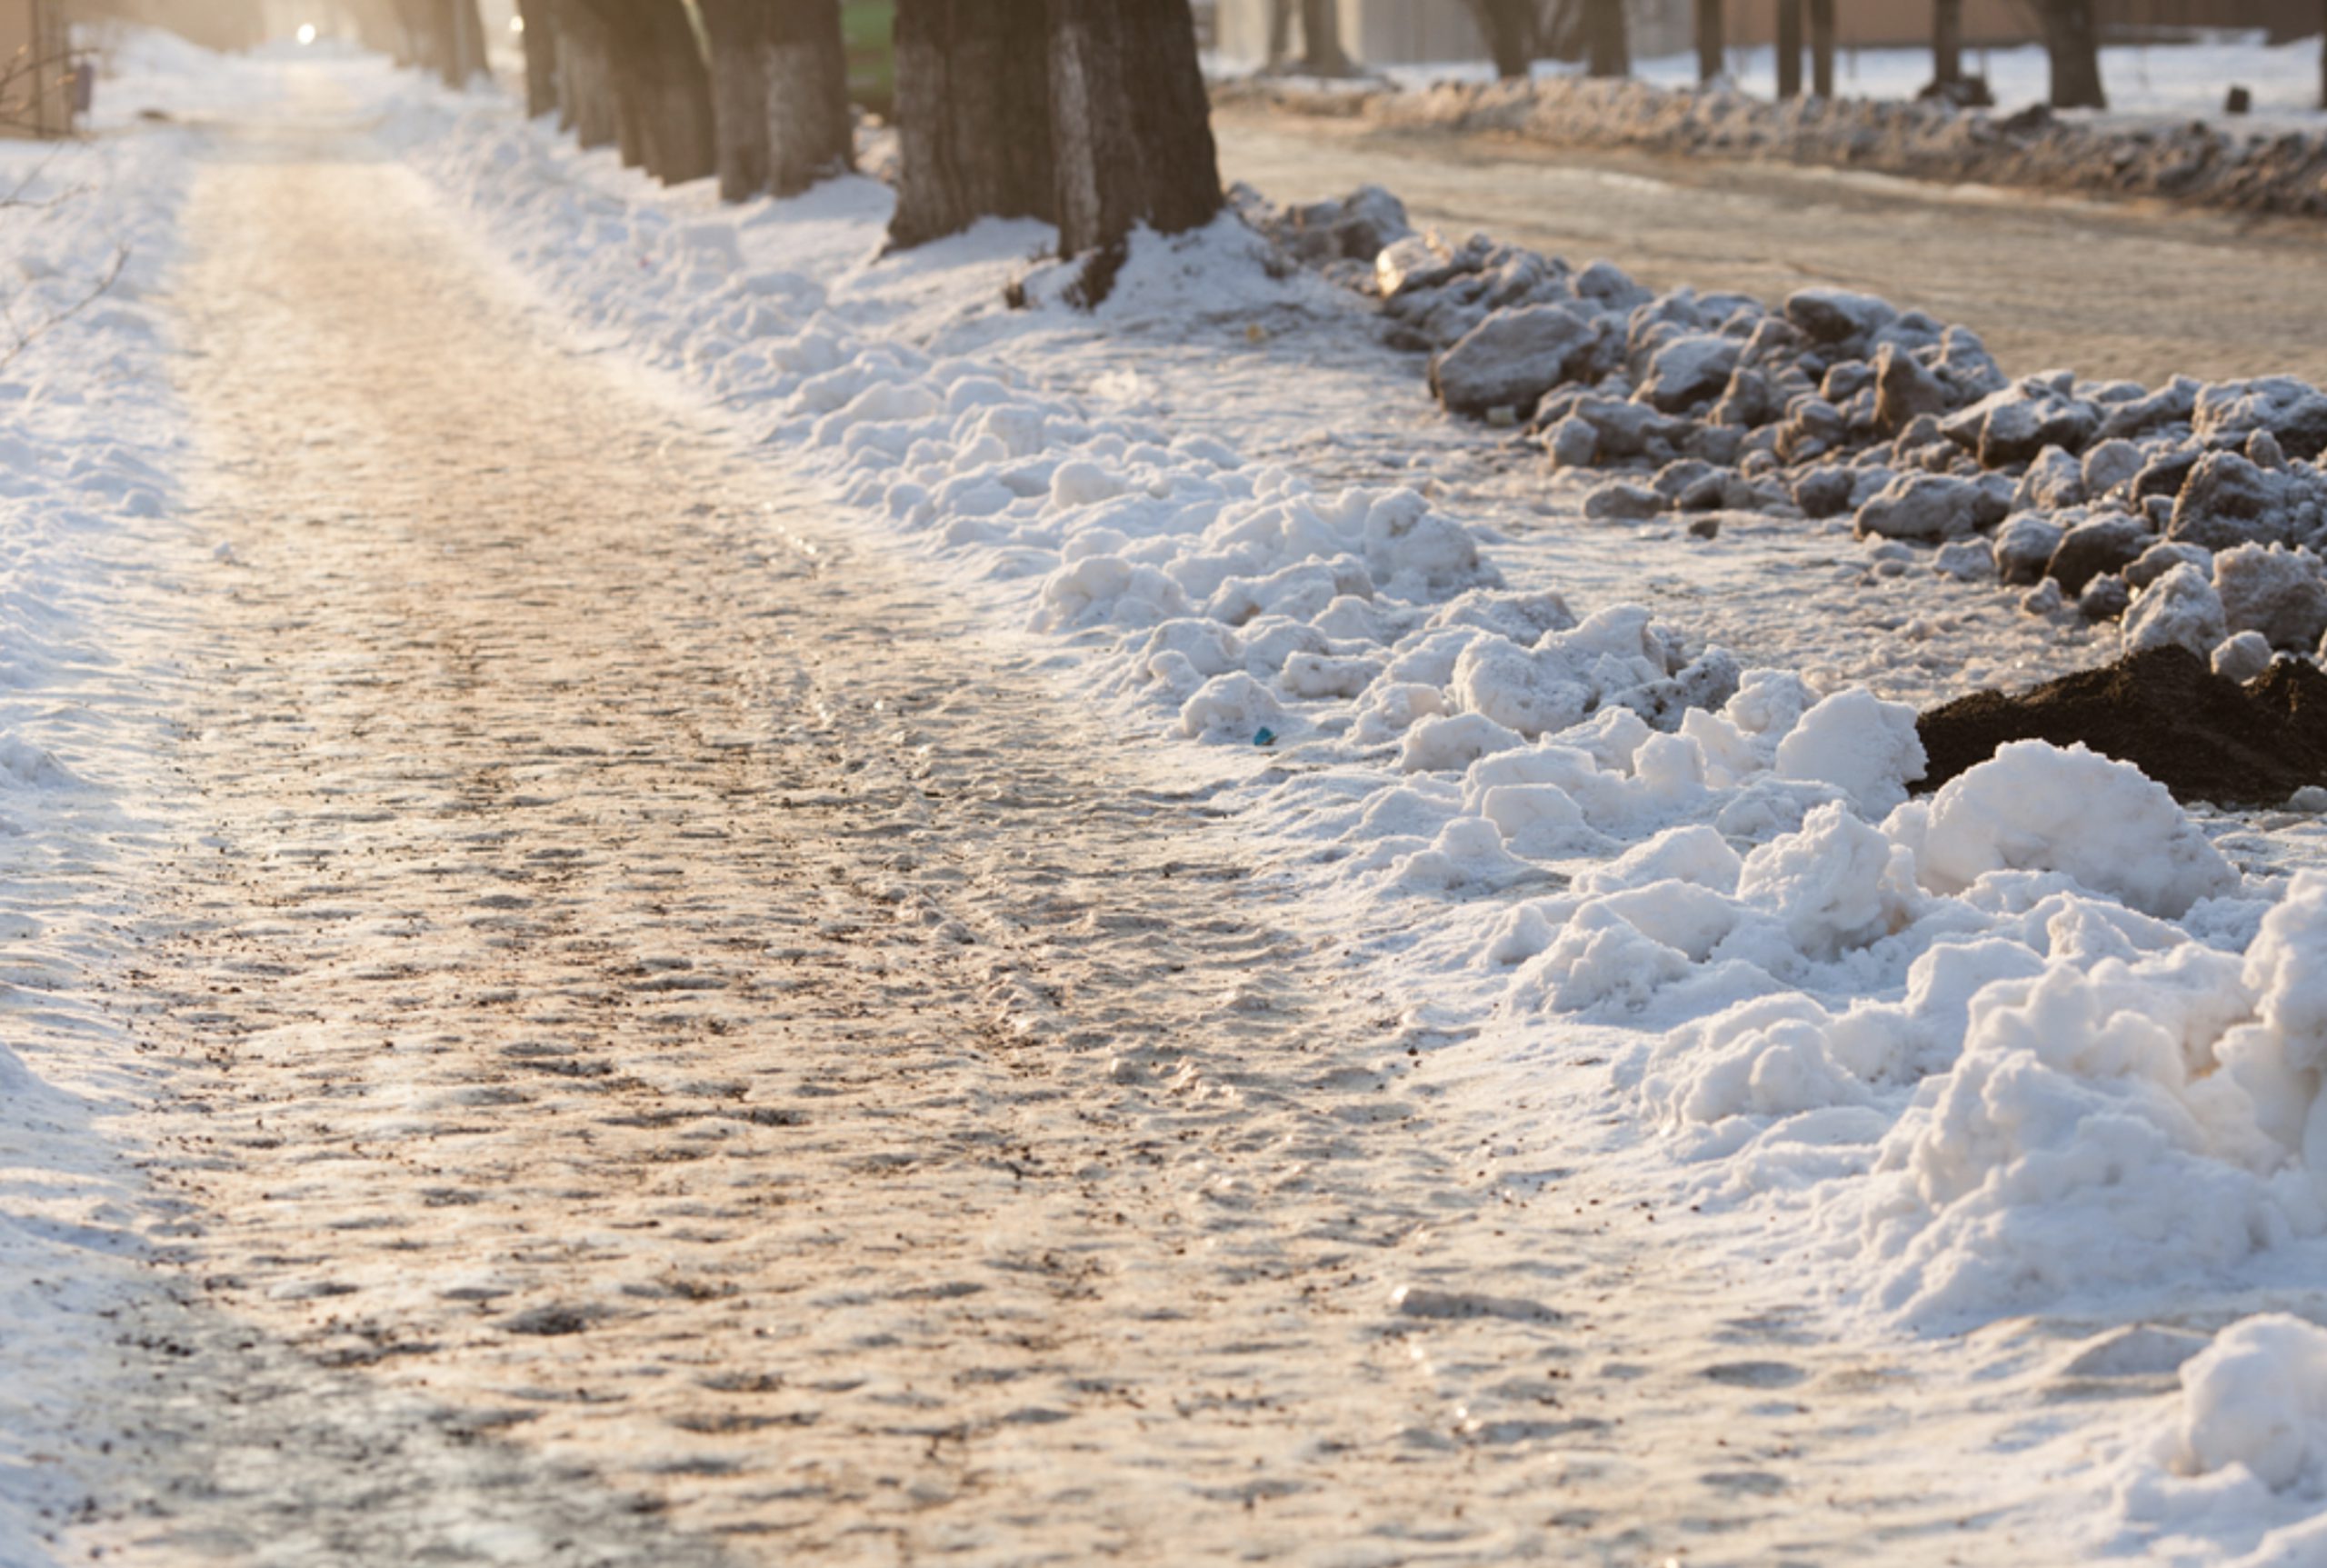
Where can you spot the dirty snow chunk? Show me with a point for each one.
(1966, 561)
(2071, 1147)
(1467, 854)
(1538, 819)
(2245, 657)
(2160, 558)
(1929, 506)
(1510, 360)
(1623, 502)
(2095, 548)
(2035, 807)
(2294, 411)
(1542, 690)
(2257, 1397)
(1234, 707)
(2273, 590)
(2179, 608)
(1319, 676)
(1439, 743)
(2023, 548)
(1690, 370)
(1835, 315)
(1862, 745)
(1416, 552)
(1079, 482)
(1838, 883)
(1101, 589)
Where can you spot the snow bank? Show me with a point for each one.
(91, 446)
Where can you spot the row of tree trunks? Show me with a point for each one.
(447, 37)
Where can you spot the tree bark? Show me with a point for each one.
(1321, 39)
(1789, 48)
(1712, 44)
(810, 131)
(661, 88)
(1822, 47)
(586, 102)
(541, 56)
(1279, 31)
(1131, 128)
(1510, 29)
(1607, 50)
(2072, 37)
(465, 29)
(974, 116)
(739, 31)
(1947, 42)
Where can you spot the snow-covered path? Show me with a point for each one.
(690, 1050)
(2132, 290)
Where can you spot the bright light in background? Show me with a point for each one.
(306, 32)
(516, 23)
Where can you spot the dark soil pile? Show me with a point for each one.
(2202, 737)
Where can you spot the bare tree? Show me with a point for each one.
(810, 131)
(540, 22)
(1322, 54)
(739, 34)
(2073, 40)
(1822, 47)
(662, 89)
(974, 116)
(1607, 49)
(587, 104)
(1789, 31)
(1712, 44)
(1512, 32)
(1131, 128)
(1946, 43)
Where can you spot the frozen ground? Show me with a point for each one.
(2156, 144)
(734, 983)
(2146, 293)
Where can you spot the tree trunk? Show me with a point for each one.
(2073, 40)
(1822, 47)
(423, 34)
(739, 33)
(1713, 45)
(541, 56)
(1509, 28)
(974, 116)
(587, 101)
(661, 88)
(810, 131)
(1279, 31)
(1789, 48)
(1131, 128)
(1321, 39)
(465, 32)
(1947, 42)
(1607, 50)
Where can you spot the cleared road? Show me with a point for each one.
(2127, 290)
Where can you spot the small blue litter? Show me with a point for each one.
(1266, 737)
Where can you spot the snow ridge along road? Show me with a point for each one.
(686, 1049)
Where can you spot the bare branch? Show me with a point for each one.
(28, 336)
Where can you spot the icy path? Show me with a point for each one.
(689, 1051)
(2112, 290)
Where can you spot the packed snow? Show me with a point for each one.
(2034, 1043)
